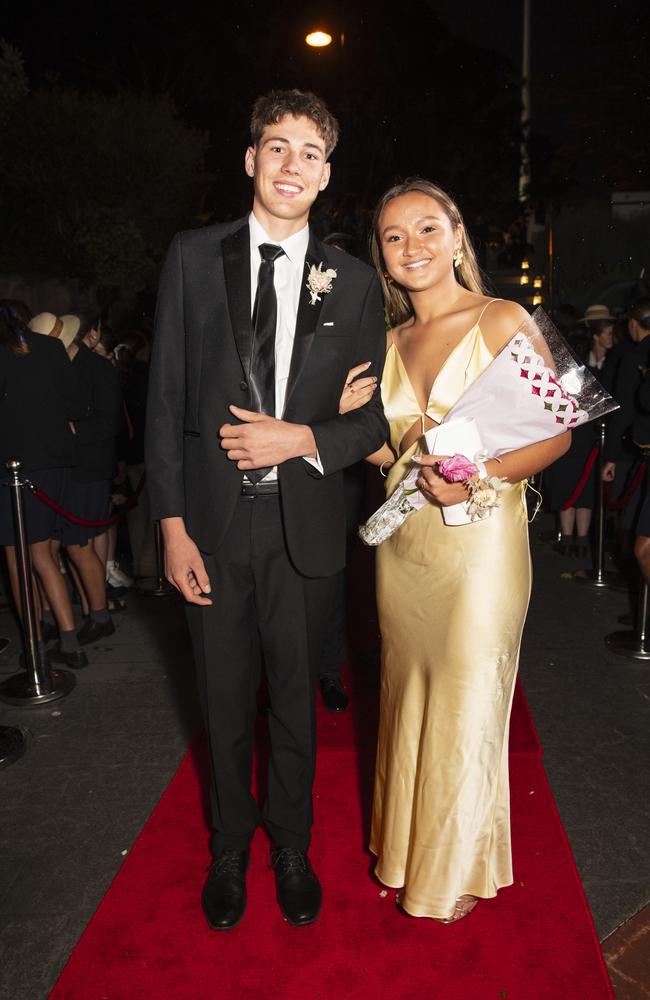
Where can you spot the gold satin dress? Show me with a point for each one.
(452, 602)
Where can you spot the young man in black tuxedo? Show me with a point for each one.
(245, 453)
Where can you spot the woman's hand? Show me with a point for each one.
(357, 391)
(434, 488)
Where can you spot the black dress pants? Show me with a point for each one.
(261, 604)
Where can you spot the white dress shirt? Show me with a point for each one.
(288, 280)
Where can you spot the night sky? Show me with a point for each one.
(429, 87)
(590, 61)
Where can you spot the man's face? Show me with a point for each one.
(288, 169)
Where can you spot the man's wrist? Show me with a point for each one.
(172, 527)
(307, 444)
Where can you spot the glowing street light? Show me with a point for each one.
(318, 39)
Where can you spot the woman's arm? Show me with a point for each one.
(357, 392)
(383, 455)
(513, 467)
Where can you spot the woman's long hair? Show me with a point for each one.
(468, 272)
(12, 332)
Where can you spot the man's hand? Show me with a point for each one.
(436, 489)
(609, 471)
(184, 566)
(260, 441)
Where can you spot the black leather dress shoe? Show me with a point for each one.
(298, 890)
(334, 697)
(92, 631)
(224, 893)
(76, 658)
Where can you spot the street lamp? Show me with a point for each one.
(318, 39)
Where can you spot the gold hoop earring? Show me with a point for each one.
(458, 256)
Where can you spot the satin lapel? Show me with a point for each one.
(308, 315)
(237, 271)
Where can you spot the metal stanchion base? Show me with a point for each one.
(155, 588)
(13, 744)
(627, 643)
(19, 689)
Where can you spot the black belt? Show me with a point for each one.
(260, 489)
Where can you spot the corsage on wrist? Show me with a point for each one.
(483, 490)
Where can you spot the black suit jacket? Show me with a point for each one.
(38, 398)
(200, 364)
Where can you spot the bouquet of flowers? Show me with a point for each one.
(534, 389)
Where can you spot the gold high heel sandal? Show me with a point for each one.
(464, 906)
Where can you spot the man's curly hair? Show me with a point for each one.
(273, 107)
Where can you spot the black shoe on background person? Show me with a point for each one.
(334, 697)
(224, 893)
(92, 631)
(298, 890)
(75, 658)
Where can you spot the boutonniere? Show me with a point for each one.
(319, 282)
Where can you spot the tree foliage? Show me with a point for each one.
(93, 185)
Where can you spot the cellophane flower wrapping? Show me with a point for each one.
(534, 389)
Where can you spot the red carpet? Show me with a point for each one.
(148, 939)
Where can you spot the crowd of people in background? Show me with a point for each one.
(72, 401)
(617, 351)
(72, 409)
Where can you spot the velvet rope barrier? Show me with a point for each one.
(103, 522)
(582, 482)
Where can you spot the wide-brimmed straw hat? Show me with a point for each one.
(597, 314)
(46, 323)
(70, 329)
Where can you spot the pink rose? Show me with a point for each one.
(456, 469)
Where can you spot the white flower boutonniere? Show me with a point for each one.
(319, 282)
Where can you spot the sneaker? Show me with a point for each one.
(116, 576)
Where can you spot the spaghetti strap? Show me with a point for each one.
(478, 321)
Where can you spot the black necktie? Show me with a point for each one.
(265, 314)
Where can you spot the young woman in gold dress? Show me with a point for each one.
(452, 600)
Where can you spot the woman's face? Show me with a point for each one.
(417, 240)
(605, 338)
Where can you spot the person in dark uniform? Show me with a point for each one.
(570, 483)
(38, 400)
(641, 319)
(87, 492)
(629, 430)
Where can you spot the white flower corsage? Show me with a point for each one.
(483, 496)
(319, 282)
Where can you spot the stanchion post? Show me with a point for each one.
(38, 684)
(33, 663)
(160, 587)
(596, 578)
(633, 643)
